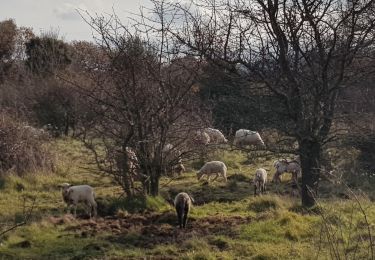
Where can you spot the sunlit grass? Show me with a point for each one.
(226, 220)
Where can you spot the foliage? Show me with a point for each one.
(8, 32)
(47, 54)
(144, 105)
(23, 149)
(56, 107)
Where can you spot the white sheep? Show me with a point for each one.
(179, 168)
(216, 137)
(201, 138)
(284, 165)
(247, 137)
(173, 160)
(73, 195)
(260, 180)
(182, 204)
(217, 168)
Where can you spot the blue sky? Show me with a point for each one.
(61, 15)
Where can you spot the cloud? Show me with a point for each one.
(68, 11)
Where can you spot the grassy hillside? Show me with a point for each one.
(226, 222)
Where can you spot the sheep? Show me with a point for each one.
(179, 168)
(201, 138)
(247, 137)
(284, 165)
(173, 160)
(216, 137)
(260, 180)
(182, 204)
(217, 168)
(72, 195)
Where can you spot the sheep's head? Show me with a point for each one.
(64, 186)
(65, 193)
(199, 175)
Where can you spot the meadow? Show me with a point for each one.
(226, 221)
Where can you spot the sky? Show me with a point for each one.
(61, 15)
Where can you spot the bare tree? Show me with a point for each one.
(143, 102)
(302, 52)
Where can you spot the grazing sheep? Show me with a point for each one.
(216, 137)
(247, 137)
(284, 165)
(179, 168)
(182, 204)
(260, 180)
(73, 195)
(201, 138)
(217, 168)
(173, 160)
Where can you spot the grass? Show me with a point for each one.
(226, 222)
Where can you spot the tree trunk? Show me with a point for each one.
(154, 185)
(66, 126)
(310, 153)
(122, 164)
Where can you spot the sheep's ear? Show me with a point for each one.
(64, 185)
(192, 199)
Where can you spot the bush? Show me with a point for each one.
(23, 148)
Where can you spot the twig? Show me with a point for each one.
(27, 217)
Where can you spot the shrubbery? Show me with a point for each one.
(23, 148)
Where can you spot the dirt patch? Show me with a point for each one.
(152, 229)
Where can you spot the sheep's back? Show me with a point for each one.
(213, 167)
(182, 199)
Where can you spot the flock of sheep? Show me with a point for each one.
(72, 195)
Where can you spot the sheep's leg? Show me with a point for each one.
(75, 210)
(186, 212)
(67, 209)
(295, 177)
(89, 208)
(217, 175)
(255, 190)
(179, 216)
(94, 208)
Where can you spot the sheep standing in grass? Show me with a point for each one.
(182, 204)
(179, 168)
(201, 138)
(73, 195)
(216, 137)
(173, 159)
(284, 165)
(260, 180)
(247, 137)
(217, 168)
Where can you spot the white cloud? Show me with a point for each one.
(42, 15)
(67, 11)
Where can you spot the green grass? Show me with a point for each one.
(226, 222)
